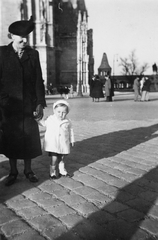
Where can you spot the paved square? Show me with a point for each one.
(113, 192)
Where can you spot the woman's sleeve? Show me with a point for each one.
(40, 89)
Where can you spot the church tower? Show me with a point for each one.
(71, 43)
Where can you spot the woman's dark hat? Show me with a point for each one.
(22, 28)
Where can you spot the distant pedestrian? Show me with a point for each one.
(63, 91)
(141, 84)
(59, 137)
(66, 92)
(91, 85)
(96, 89)
(108, 93)
(50, 89)
(146, 90)
(136, 88)
(71, 91)
(111, 90)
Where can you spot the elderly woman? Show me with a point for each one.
(21, 97)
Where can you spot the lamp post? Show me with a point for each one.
(115, 58)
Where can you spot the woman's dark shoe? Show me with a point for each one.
(11, 179)
(31, 176)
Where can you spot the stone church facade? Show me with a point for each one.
(61, 36)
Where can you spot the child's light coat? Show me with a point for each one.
(58, 135)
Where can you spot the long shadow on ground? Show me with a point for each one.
(108, 145)
(132, 215)
(120, 218)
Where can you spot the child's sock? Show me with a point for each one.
(53, 171)
(62, 169)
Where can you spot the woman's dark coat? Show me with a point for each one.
(21, 90)
(146, 86)
(96, 89)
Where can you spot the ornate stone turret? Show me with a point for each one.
(82, 57)
(104, 66)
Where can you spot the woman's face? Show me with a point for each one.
(19, 41)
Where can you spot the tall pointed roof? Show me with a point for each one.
(104, 63)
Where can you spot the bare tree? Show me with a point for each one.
(130, 65)
(125, 66)
(143, 68)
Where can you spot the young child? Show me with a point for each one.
(58, 138)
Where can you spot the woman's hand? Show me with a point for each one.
(39, 112)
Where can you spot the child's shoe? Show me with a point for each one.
(62, 170)
(53, 177)
(53, 173)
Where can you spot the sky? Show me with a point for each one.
(121, 26)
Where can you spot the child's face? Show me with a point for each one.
(60, 112)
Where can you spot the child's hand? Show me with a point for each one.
(72, 144)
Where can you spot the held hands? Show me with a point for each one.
(39, 112)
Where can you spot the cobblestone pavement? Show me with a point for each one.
(113, 193)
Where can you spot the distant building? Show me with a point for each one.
(61, 36)
(90, 54)
(104, 67)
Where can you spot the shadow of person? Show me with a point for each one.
(153, 99)
(130, 215)
(134, 208)
(22, 185)
(128, 212)
(107, 145)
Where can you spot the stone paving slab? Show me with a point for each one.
(113, 191)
